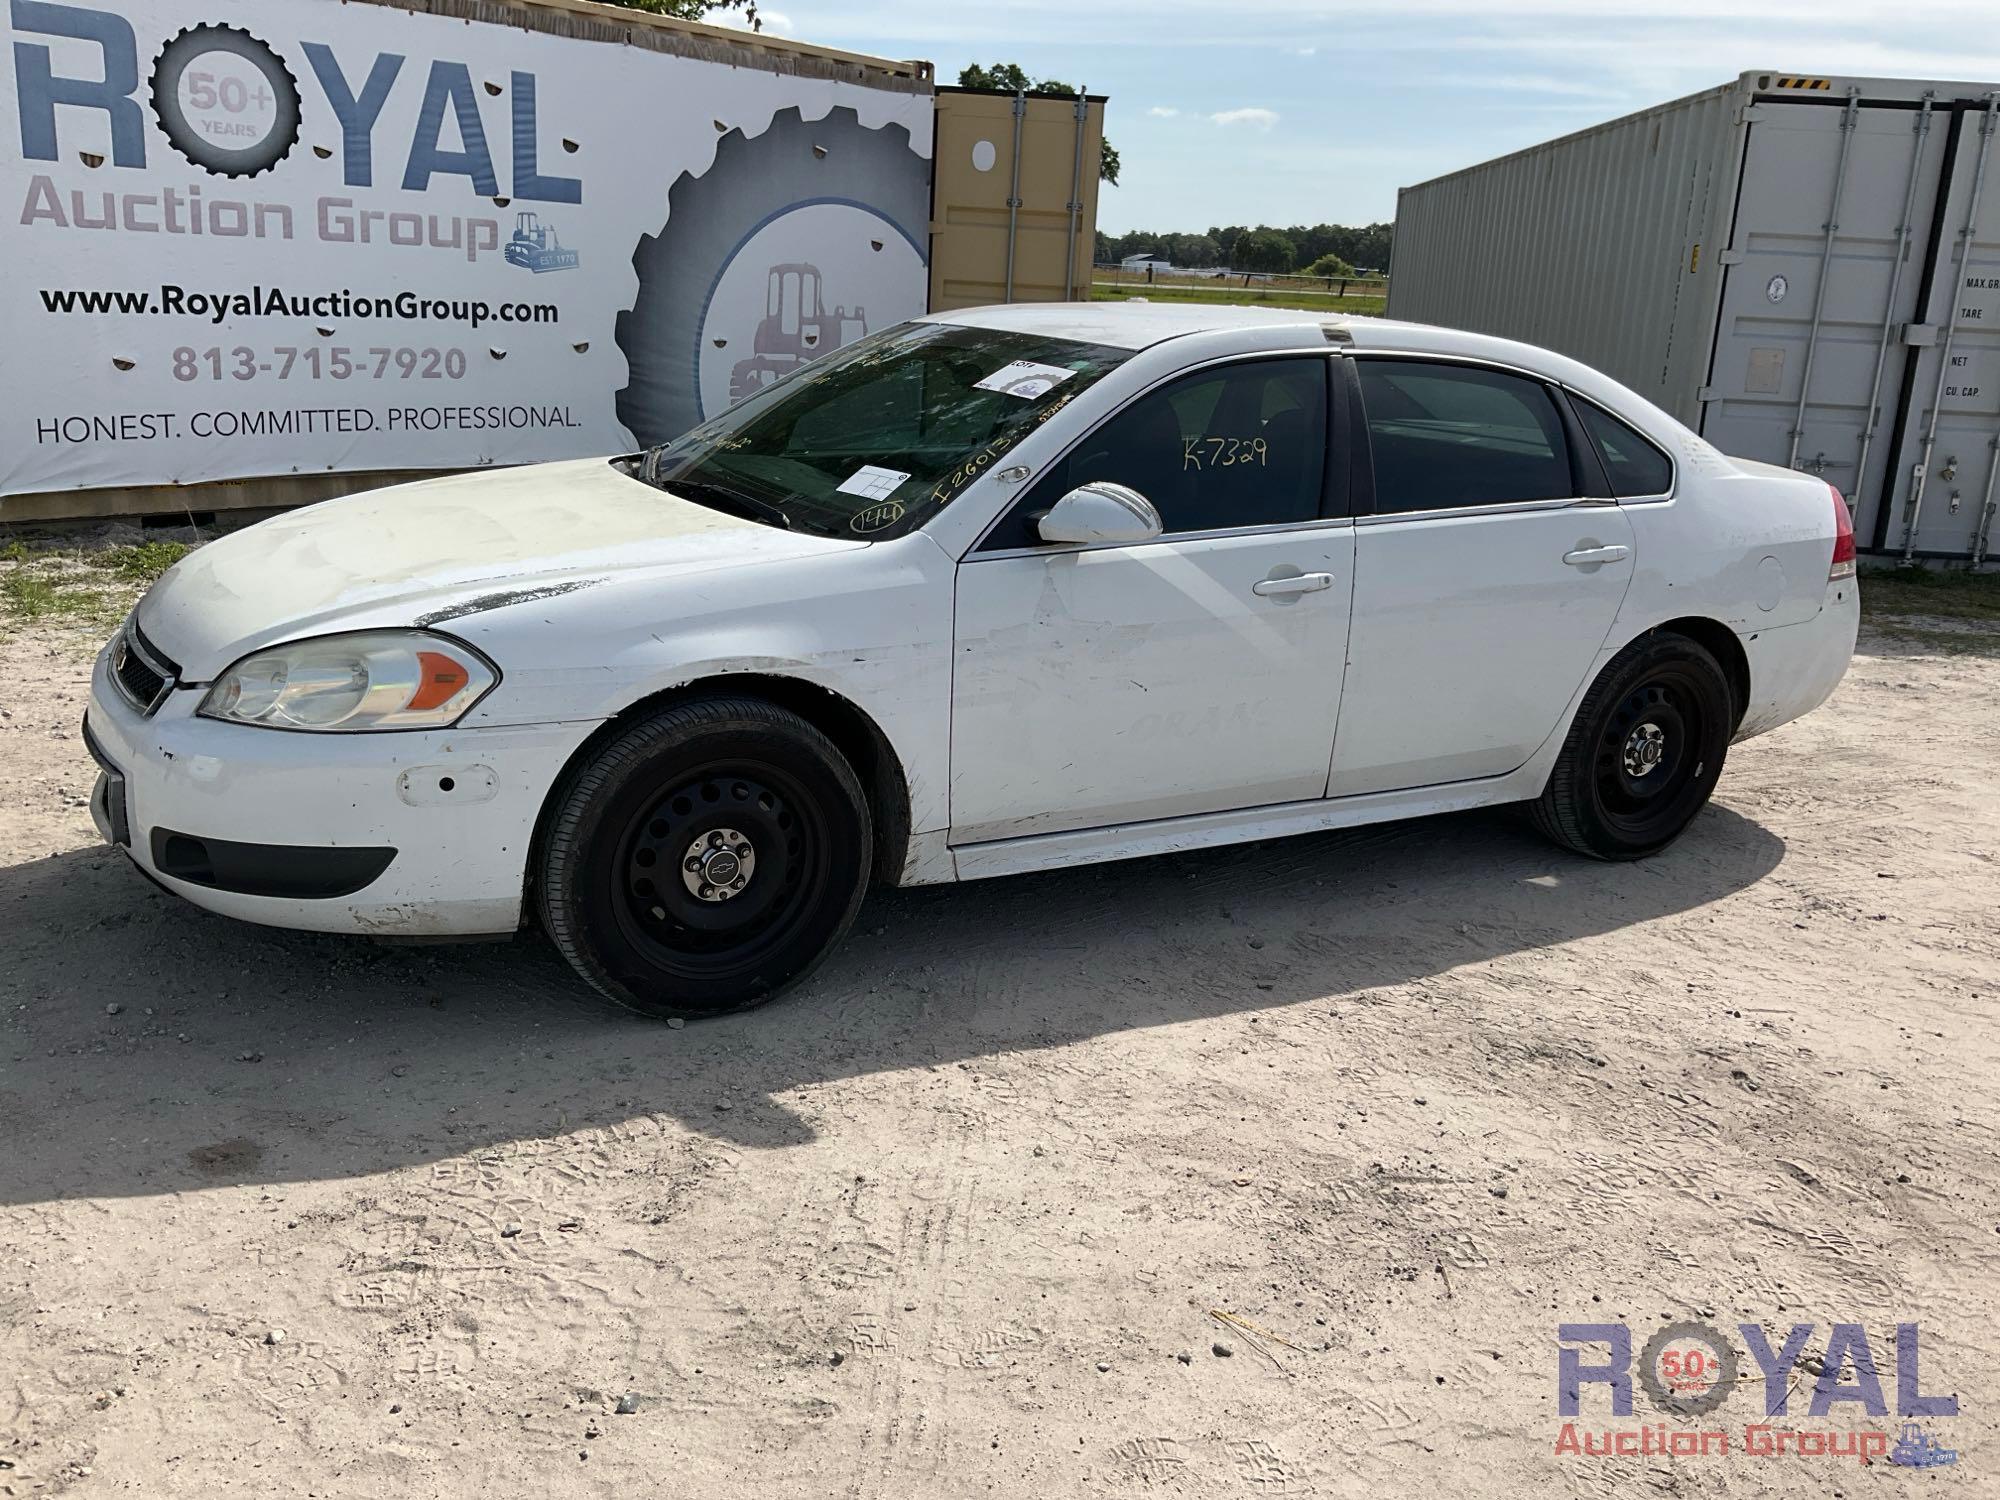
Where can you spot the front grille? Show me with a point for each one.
(142, 673)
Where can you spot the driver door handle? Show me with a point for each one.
(1298, 583)
(1585, 557)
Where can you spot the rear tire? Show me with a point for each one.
(1643, 754)
(706, 859)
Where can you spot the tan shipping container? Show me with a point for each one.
(1013, 197)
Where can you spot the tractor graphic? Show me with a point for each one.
(535, 246)
(796, 327)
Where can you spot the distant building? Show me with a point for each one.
(1144, 263)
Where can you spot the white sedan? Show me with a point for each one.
(989, 592)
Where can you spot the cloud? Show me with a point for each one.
(1305, 51)
(1263, 119)
(1163, 112)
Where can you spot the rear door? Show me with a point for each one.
(1485, 580)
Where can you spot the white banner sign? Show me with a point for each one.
(293, 236)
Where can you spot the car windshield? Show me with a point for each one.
(874, 439)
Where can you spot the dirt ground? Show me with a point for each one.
(284, 1215)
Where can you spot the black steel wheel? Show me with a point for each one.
(706, 859)
(1644, 753)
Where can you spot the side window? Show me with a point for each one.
(1238, 445)
(1448, 435)
(1634, 462)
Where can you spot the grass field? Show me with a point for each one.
(1955, 612)
(1359, 304)
(91, 584)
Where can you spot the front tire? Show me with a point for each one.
(1644, 753)
(706, 859)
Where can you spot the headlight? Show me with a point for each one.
(374, 679)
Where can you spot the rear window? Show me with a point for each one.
(1634, 463)
(1451, 435)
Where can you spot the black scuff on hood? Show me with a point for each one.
(504, 598)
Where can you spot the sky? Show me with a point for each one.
(1288, 112)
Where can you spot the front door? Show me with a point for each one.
(1193, 673)
(1483, 586)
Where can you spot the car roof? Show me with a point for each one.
(1135, 324)
(1141, 325)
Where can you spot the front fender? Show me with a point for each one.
(872, 626)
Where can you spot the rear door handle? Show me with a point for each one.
(1590, 557)
(1298, 583)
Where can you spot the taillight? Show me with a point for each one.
(1843, 538)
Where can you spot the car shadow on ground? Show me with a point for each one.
(149, 1047)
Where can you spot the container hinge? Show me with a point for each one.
(1750, 114)
(1732, 257)
(1707, 394)
(1919, 335)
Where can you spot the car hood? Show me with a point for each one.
(439, 549)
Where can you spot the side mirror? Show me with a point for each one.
(1100, 512)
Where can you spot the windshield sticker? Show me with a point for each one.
(1024, 378)
(875, 517)
(871, 483)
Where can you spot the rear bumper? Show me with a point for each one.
(414, 834)
(1795, 668)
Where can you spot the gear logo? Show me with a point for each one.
(794, 243)
(226, 100)
(1688, 1381)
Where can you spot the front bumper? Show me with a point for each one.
(291, 828)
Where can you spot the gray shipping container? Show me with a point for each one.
(1806, 270)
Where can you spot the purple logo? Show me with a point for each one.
(1692, 1369)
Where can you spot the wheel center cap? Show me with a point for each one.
(718, 865)
(1645, 747)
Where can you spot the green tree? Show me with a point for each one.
(1361, 245)
(1009, 77)
(1013, 79)
(1329, 264)
(1264, 250)
(1192, 250)
(693, 10)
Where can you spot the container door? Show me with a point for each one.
(1796, 364)
(1013, 199)
(1942, 487)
